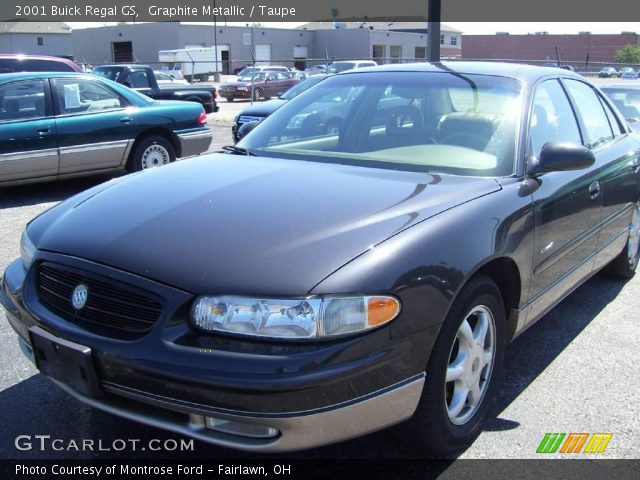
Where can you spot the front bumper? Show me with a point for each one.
(195, 143)
(245, 94)
(175, 379)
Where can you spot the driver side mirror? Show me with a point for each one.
(557, 156)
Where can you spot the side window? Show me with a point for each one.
(591, 113)
(138, 79)
(76, 95)
(22, 101)
(552, 119)
(613, 121)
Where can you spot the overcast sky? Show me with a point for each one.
(485, 27)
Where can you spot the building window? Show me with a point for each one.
(40, 41)
(379, 53)
(454, 40)
(395, 52)
(421, 53)
(442, 39)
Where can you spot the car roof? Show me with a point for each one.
(8, 77)
(19, 56)
(527, 73)
(124, 65)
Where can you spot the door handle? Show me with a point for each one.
(125, 120)
(44, 131)
(594, 190)
(635, 165)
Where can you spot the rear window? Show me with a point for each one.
(8, 65)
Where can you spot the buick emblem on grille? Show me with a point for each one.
(79, 296)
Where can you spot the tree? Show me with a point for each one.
(628, 54)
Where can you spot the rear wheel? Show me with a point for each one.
(625, 264)
(229, 99)
(153, 151)
(462, 371)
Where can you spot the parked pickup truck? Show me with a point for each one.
(143, 79)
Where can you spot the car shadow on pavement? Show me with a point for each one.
(35, 193)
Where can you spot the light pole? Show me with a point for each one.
(216, 74)
(433, 29)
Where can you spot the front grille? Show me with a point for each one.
(248, 118)
(115, 307)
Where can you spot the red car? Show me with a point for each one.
(265, 85)
(36, 63)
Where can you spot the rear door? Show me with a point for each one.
(96, 126)
(618, 166)
(28, 146)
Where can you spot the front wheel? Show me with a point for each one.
(461, 374)
(256, 95)
(153, 151)
(625, 264)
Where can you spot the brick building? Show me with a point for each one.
(542, 46)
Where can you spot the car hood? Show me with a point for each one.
(263, 109)
(246, 225)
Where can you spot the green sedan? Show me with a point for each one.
(58, 125)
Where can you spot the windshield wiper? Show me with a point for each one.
(233, 150)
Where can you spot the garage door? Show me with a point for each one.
(263, 53)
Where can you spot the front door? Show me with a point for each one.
(567, 204)
(96, 127)
(28, 146)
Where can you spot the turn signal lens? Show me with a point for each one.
(202, 119)
(381, 310)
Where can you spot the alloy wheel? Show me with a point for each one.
(470, 364)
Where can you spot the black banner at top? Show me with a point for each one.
(251, 11)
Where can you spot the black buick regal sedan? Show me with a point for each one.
(306, 287)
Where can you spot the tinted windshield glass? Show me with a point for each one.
(436, 122)
(112, 73)
(301, 87)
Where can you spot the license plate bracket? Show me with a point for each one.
(65, 361)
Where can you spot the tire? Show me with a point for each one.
(256, 95)
(152, 151)
(625, 264)
(438, 427)
(230, 99)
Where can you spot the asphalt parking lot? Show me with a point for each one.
(574, 371)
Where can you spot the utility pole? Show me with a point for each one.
(216, 74)
(433, 29)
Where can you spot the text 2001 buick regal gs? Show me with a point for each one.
(312, 285)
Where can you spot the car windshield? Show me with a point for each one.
(426, 121)
(301, 87)
(110, 73)
(253, 77)
(627, 100)
(337, 67)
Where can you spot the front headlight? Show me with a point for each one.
(313, 317)
(27, 249)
